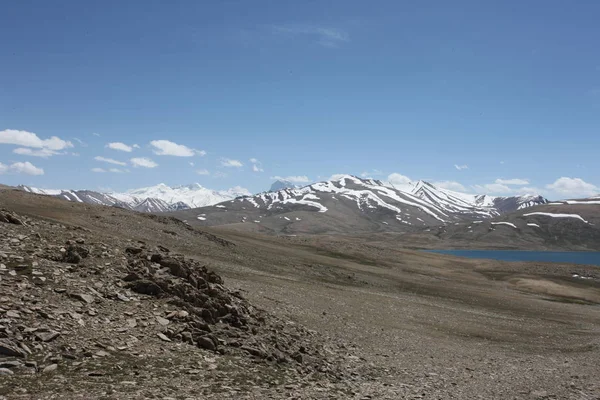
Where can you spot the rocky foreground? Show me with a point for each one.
(82, 318)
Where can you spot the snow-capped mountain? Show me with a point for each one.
(159, 198)
(352, 204)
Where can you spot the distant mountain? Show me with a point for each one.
(350, 204)
(159, 198)
(281, 184)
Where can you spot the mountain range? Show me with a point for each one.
(159, 198)
(349, 204)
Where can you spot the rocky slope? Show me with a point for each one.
(350, 204)
(159, 198)
(94, 308)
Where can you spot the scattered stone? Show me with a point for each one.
(206, 343)
(10, 364)
(163, 337)
(83, 297)
(162, 321)
(5, 371)
(50, 368)
(13, 314)
(8, 348)
(47, 336)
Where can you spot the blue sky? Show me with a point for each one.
(507, 91)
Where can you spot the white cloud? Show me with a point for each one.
(398, 179)
(293, 179)
(220, 174)
(461, 167)
(109, 160)
(143, 162)
(450, 185)
(203, 172)
(192, 163)
(493, 188)
(136, 146)
(327, 37)
(512, 181)
(374, 172)
(99, 170)
(45, 153)
(120, 146)
(226, 162)
(168, 148)
(573, 187)
(337, 177)
(256, 165)
(96, 134)
(117, 170)
(29, 139)
(26, 168)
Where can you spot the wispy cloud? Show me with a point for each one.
(512, 181)
(109, 160)
(451, 185)
(44, 153)
(120, 146)
(227, 162)
(143, 162)
(256, 165)
(203, 172)
(325, 36)
(293, 179)
(168, 148)
(374, 172)
(81, 142)
(461, 167)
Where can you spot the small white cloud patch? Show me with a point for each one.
(461, 167)
(168, 148)
(120, 147)
(25, 168)
(227, 162)
(143, 162)
(109, 160)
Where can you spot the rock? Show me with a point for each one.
(80, 241)
(144, 287)
(5, 371)
(47, 336)
(206, 343)
(162, 321)
(178, 314)
(8, 348)
(10, 364)
(254, 351)
(102, 353)
(131, 323)
(50, 368)
(13, 314)
(133, 250)
(60, 290)
(86, 298)
(163, 337)
(298, 358)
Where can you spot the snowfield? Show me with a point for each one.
(557, 215)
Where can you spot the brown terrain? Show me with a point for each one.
(100, 302)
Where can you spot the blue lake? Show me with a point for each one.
(574, 257)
